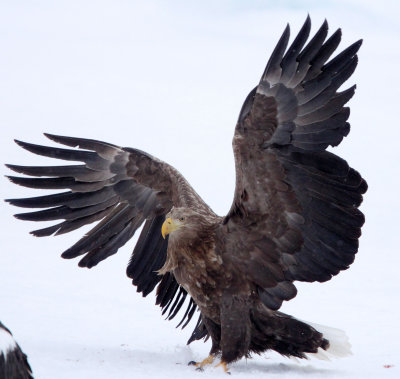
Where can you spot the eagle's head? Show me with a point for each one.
(183, 223)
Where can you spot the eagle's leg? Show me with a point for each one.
(235, 328)
(204, 362)
(214, 331)
(224, 366)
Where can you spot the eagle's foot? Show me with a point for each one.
(224, 366)
(204, 362)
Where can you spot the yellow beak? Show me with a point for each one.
(168, 227)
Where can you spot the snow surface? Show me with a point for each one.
(170, 78)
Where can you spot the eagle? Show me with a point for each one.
(294, 217)
(13, 361)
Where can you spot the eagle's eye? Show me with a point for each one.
(182, 218)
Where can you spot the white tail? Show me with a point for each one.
(339, 344)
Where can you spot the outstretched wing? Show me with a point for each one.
(295, 210)
(121, 188)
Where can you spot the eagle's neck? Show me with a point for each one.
(193, 247)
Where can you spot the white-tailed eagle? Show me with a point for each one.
(294, 215)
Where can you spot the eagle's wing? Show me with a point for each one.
(295, 210)
(122, 188)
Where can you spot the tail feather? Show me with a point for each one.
(339, 344)
(284, 334)
(295, 338)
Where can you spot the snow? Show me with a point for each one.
(170, 78)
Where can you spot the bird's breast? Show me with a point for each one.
(201, 274)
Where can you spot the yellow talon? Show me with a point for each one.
(224, 366)
(204, 362)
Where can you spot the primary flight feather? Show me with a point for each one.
(294, 215)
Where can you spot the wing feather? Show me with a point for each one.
(288, 63)
(120, 189)
(69, 226)
(289, 189)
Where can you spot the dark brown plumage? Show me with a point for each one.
(294, 215)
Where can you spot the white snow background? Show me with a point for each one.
(169, 77)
